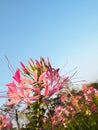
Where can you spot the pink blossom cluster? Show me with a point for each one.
(90, 94)
(60, 115)
(39, 79)
(83, 101)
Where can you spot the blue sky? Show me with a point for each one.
(66, 31)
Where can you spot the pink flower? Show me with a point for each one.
(64, 98)
(93, 108)
(5, 123)
(84, 88)
(93, 90)
(19, 92)
(54, 120)
(41, 80)
(53, 82)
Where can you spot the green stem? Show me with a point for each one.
(38, 117)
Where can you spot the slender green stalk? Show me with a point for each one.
(38, 117)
